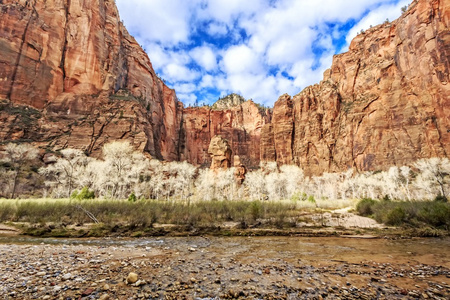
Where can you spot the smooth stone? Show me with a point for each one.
(132, 278)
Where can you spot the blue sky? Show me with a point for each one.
(261, 49)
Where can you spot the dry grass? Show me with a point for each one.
(145, 213)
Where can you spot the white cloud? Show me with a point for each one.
(185, 88)
(226, 11)
(207, 81)
(217, 28)
(259, 41)
(175, 72)
(239, 59)
(165, 21)
(205, 57)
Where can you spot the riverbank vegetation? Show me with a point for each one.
(129, 188)
(122, 173)
(146, 213)
(68, 217)
(428, 218)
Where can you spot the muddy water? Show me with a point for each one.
(237, 267)
(313, 249)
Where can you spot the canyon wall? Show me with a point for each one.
(384, 102)
(72, 76)
(240, 124)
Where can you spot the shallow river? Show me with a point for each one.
(235, 267)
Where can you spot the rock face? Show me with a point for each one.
(220, 152)
(385, 102)
(72, 76)
(239, 170)
(240, 124)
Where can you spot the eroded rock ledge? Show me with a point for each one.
(72, 76)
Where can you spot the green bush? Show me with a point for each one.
(255, 210)
(7, 212)
(311, 199)
(417, 214)
(440, 198)
(84, 194)
(365, 207)
(396, 216)
(436, 214)
(74, 195)
(132, 197)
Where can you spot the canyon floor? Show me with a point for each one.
(225, 268)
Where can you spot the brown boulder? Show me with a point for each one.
(239, 170)
(220, 152)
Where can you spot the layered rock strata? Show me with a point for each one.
(220, 152)
(72, 76)
(240, 125)
(384, 102)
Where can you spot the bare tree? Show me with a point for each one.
(434, 175)
(255, 184)
(122, 168)
(66, 174)
(17, 155)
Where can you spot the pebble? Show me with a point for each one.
(175, 272)
(132, 278)
(104, 297)
(140, 282)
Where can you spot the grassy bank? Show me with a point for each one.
(425, 218)
(142, 217)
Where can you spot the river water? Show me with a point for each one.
(326, 249)
(245, 267)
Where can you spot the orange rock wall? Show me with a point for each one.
(72, 76)
(384, 102)
(75, 65)
(240, 125)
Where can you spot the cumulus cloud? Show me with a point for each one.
(227, 11)
(241, 59)
(185, 88)
(207, 81)
(258, 48)
(176, 73)
(164, 21)
(204, 57)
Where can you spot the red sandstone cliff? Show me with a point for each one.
(384, 102)
(240, 124)
(72, 76)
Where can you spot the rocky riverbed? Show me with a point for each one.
(224, 268)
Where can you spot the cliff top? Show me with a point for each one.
(228, 102)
